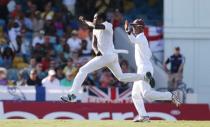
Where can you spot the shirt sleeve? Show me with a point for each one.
(167, 61)
(108, 26)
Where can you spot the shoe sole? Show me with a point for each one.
(65, 100)
(143, 121)
(151, 80)
(177, 100)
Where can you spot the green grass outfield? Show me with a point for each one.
(104, 123)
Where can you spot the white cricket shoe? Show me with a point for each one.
(69, 98)
(175, 98)
(142, 119)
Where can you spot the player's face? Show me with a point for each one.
(96, 19)
(136, 29)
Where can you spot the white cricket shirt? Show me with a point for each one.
(105, 38)
(143, 53)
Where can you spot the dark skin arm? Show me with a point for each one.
(91, 24)
(165, 66)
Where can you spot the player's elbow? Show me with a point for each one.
(135, 96)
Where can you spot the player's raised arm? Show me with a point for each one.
(129, 31)
(137, 27)
(97, 21)
(126, 27)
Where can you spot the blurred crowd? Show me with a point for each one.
(43, 44)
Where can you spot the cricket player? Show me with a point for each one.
(142, 89)
(106, 56)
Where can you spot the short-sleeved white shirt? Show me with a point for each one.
(37, 40)
(105, 38)
(50, 84)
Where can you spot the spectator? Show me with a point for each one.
(28, 21)
(51, 81)
(45, 63)
(13, 33)
(37, 23)
(84, 49)
(66, 51)
(53, 64)
(68, 80)
(3, 76)
(48, 13)
(117, 18)
(92, 79)
(32, 64)
(39, 39)
(106, 79)
(175, 73)
(74, 42)
(40, 73)
(3, 40)
(69, 66)
(38, 52)
(21, 79)
(75, 56)
(125, 69)
(59, 25)
(33, 79)
(25, 47)
(7, 57)
(49, 28)
(124, 66)
(59, 73)
(59, 45)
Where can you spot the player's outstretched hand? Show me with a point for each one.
(126, 25)
(81, 18)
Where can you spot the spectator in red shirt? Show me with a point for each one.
(117, 18)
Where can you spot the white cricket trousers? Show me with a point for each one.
(106, 60)
(142, 89)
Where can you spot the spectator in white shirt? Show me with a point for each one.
(13, 33)
(38, 39)
(74, 42)
(51, 81)
(37, 22)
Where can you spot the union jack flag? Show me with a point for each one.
(109, 95)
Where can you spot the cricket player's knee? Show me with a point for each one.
(83, 70)
(135, 95)
(147, 95)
